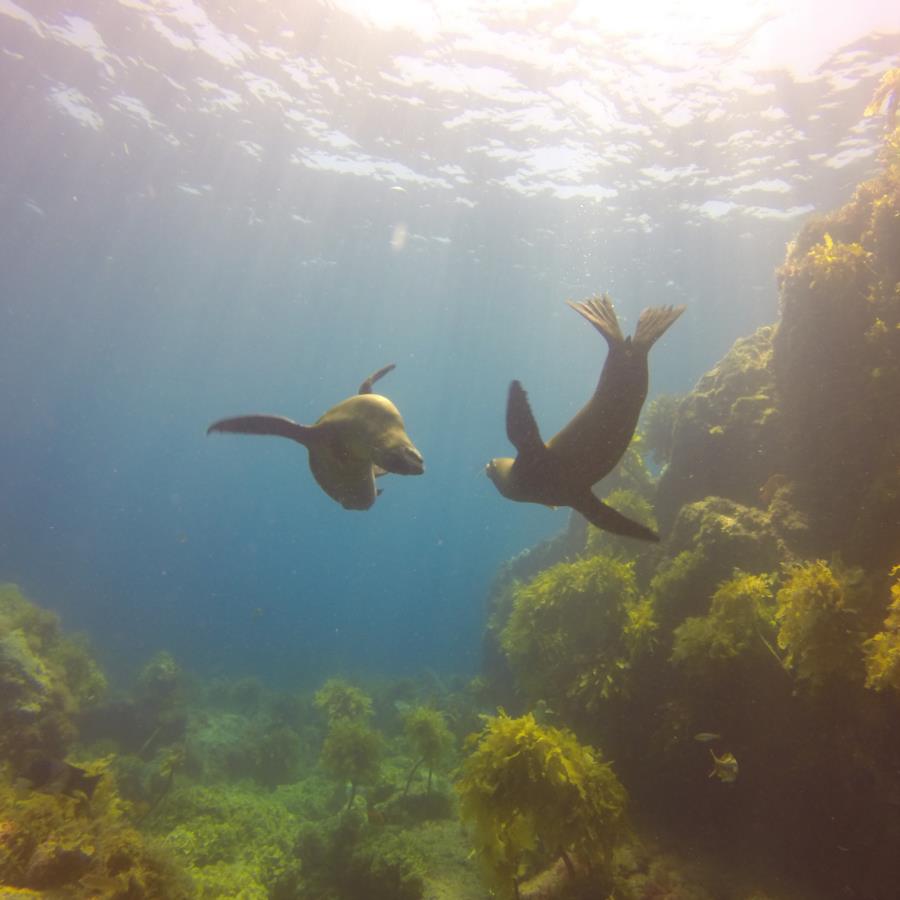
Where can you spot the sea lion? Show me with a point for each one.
(356, 441)
(563, 471)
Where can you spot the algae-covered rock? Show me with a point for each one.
(71, 848)
(726, 440)
(709, 540)
(657, 427)
(45, 679)
(837, 365)
(230, 832)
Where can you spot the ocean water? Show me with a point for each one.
(210, 210)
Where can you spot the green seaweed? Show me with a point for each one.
(70, 847)
(819, 625)
(234, 840)
(339, 699)
(46, 678)
(882, 650)
(740, 620)
(431, 740)
(352, 753)
(575, 630)
(531, 794)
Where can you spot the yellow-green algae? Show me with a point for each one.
(740, 620)
(429, 737)
(786, 455)
(531, 794)
(235, 840)
(46, 677)
(574, 631)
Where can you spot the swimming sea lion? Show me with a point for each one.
(562, 471)
(356, 441)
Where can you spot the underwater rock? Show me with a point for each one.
(234, 841)
(45, 679)
(27, 683)
(837, 366)
(726, 440)
(657, 427)
(68, 847)
(53, 865)
(709, 540)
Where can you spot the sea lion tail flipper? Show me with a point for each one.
(608, 519)
(521, 428)
(278, 426)
(366, 386)
(653, 323)
(600, 313)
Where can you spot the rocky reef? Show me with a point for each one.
(66, 830)
(742, 677)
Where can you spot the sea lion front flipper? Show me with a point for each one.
(521, 428)
(366, 386)
(608, 519)
(278, 426)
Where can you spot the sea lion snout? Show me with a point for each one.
(498, 470)
(410, 462)
(402, 460)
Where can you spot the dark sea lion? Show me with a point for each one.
(356, 441)
(563, 471)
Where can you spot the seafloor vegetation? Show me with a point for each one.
(714, 717)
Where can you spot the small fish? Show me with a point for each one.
(707, 737)
(56, 776)
(725, 767)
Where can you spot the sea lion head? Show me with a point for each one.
(391, 448)
(499, 470)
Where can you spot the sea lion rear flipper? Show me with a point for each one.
(606, 518)
(600, 313)
(652, 324)
(521, 428)
(278, 426)
(366, 386)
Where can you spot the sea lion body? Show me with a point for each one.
(349, 446)
(563, 471)
(354, 442)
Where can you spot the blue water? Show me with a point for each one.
(202, 216)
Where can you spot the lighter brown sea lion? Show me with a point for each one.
(356, 441)
(563, 471)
